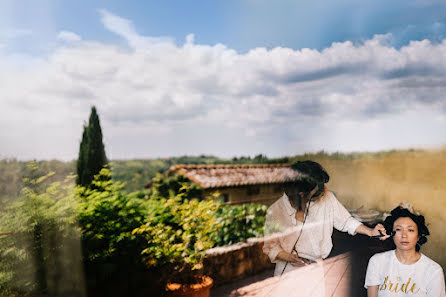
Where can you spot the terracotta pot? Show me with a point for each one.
(202, 289)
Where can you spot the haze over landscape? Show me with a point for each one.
(229, 78)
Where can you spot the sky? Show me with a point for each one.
(225, 78)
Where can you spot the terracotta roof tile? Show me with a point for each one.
(219, 175)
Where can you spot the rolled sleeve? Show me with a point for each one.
(351, 225)
(342, 219)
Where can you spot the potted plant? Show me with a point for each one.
(177, 234)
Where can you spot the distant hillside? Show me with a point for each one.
(136, 173)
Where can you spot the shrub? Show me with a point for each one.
(107, 217)
(34, 258)
(237, 223)
(175, 185)
(177, 233)
(125, 237)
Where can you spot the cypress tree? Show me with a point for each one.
(92, 156)
(82, 174)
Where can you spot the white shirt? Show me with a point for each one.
(315, 241)
(422, 278)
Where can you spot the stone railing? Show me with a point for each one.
(238, 261)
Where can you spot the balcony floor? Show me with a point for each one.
(340, 276)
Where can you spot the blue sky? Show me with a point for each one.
(229, 78)
(241, 25)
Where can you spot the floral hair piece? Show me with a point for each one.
(409, 207)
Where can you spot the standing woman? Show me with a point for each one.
(404, 271)
(300, 223)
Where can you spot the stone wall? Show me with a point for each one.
(238, 261)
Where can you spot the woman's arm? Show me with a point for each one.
(273, 232)
(373, 232)
(372, 291)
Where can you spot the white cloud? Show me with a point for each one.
(190, 38)
(125, 29)
(279, 96)
(68, 36)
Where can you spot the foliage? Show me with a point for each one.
(107, 217)
(237, 223)
(175, 185)
(91, 157)
(171, 233)
(43, 222)
(13, 171)
(177, 233)
(137, 173)
(83, 173)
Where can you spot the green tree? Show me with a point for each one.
(92, 156)
(42, 255)
(112, 260)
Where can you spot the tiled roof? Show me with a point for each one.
(215, 176)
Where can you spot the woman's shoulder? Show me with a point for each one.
(278, 205)
(280, 201)
(330, 195)
(383, 256)
(327, 199)
(430, 264)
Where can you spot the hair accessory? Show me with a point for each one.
(409, 207)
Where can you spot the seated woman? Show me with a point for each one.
(404, 271)
(301, 222)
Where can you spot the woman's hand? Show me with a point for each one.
(293, 259)
(379, 230)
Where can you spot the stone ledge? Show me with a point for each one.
(235, 262)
